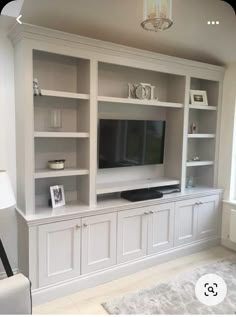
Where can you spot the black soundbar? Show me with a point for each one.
(141, 194)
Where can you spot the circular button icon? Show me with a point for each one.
(210, 289)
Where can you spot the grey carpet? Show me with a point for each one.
(178, 296)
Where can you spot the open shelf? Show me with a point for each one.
(60, 75)
(199, 163)
(46, 173)
(114, 187)
(75, 188)
(61, 135)
(201, 136)
(113, 82)
(212, 90)
(146, 102)
(63, 94)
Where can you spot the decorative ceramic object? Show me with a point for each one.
(193, 128)
(141, 91)
(36, 88)
(56, 164)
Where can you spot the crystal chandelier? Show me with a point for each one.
(157, 15)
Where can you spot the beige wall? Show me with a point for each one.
(8, 225)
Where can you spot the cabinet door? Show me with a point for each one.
(208, 216)
(59, 251)
(185, 221)
(132, 234)
(161, 228)
(98, 242)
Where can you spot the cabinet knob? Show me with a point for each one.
(200, 203)
(85, 225)
(146, 213)
(77, 226)
(151, 212)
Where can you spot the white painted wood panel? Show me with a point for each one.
(201, 136)
(185, 221)
(208, 217)
(112, 187)
(154, 103)
(199, 163)
(61, 135)
(98, 242)
(132, 234)
(63, 94)
(199, 107)
(47, 173)
(161, 228)
(59, 251)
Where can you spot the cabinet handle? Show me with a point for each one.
(77, 226)
(85, 225)
(196, 204)
(200, 203)
(151, 212)
(146, 213)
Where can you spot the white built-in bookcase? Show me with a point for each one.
(88, 81)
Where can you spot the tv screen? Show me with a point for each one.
(130, 143)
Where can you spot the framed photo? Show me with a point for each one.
(57, 196)
(198, 97)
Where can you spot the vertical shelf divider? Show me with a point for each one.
(185, 133)
(93, 130)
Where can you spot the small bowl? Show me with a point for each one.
(56, 164)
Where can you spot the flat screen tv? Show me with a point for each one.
(130, 143)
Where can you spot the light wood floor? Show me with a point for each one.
(89, 301)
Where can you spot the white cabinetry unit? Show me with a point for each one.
(132, 234)
(185, 221)
(196, 219)
(98, 235)
(98, 242)
(161, 228)
(208, 217)
(145, 231)
(59, 251)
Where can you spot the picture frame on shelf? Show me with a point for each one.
(57, 196)
(198, 97)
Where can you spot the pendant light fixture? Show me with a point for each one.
(157, 15)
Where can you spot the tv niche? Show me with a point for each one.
(124, 143)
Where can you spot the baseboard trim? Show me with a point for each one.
(45, 294)
(228, 244)
(4, 275)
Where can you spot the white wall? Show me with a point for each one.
(8, 224)
(226, 167)
(227, 162)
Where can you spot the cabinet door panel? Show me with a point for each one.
(59, 251)
(132, 234)
(161, 228)
(185, 221)
(208, 217)
(98, 242)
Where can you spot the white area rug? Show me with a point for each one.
(178, 295)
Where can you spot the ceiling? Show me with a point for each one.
(118, 21)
